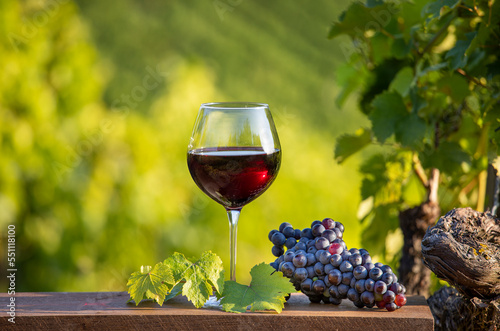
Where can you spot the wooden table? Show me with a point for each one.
(109, 311)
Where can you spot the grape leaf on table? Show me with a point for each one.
(150, 283)
(199, 277)
(267, 291)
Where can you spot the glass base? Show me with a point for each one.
(213, 303)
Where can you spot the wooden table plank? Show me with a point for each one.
(109, 311)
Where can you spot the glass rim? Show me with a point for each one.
(234, 105)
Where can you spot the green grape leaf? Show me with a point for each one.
(150, 283)
(355, 20)
(440, 7)
(200, 277)
(349, 144)
(402, 81)
(455, 86)
(267, 291)
(175, 291)
(388, 110)
(448, 158)
(411, 131)
(457, 56)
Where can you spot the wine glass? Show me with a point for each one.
(233, 156)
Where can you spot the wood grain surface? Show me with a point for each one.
(110, 311)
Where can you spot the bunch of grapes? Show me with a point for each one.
(319, 264)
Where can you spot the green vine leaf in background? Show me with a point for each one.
(427, 76)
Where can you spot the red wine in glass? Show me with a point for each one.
(233, 176)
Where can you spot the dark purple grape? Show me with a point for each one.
(388, 278)
(290, 242)
(278, 239)
(396, 288)
(360, 272)
(319, 286)
(352, 295)
(334, 291)
(319, 269)
(335, 260)
(328, 223)
(339, 234)
(283, 225)
(339, 226)
(328, 268)
(288, 257)
(347, 277)
(277, 251)
(271, 234)
(287, 269)
(367, 298)
(314, 223)
(386, 269)
(369, 266)
(327, 283)
(380, 287)
(360, 286)
(343, 289)
(389, 297)
(318, 229)
(345, 255)
(315, 298)
(297, 234)
(335, 301)
(369, 284)
(346, 266)
(330, 235)
(375, 273)
(310, 272)
(359, 304)
(324, 257)
(335, 277)
(366, 258)
(318, 253)
(353, 282)
(322, 243)
(300, 260)
(363, 251)
(312, 250)
(391, 306)
(311, 259)
(379, 265)
(300, 274)
(274, 265)
(306, 285)
(311, 243)
(307, 233)
(301, 246)
(355, 259)
(354, 251)
(289, 232)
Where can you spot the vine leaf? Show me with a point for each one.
(266, 291)
(150, 283)
(388, 110)
(200, 277)
(349, 144)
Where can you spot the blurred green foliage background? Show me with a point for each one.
(97, 103)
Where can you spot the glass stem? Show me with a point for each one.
(233, 216)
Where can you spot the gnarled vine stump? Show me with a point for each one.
(463, 248)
